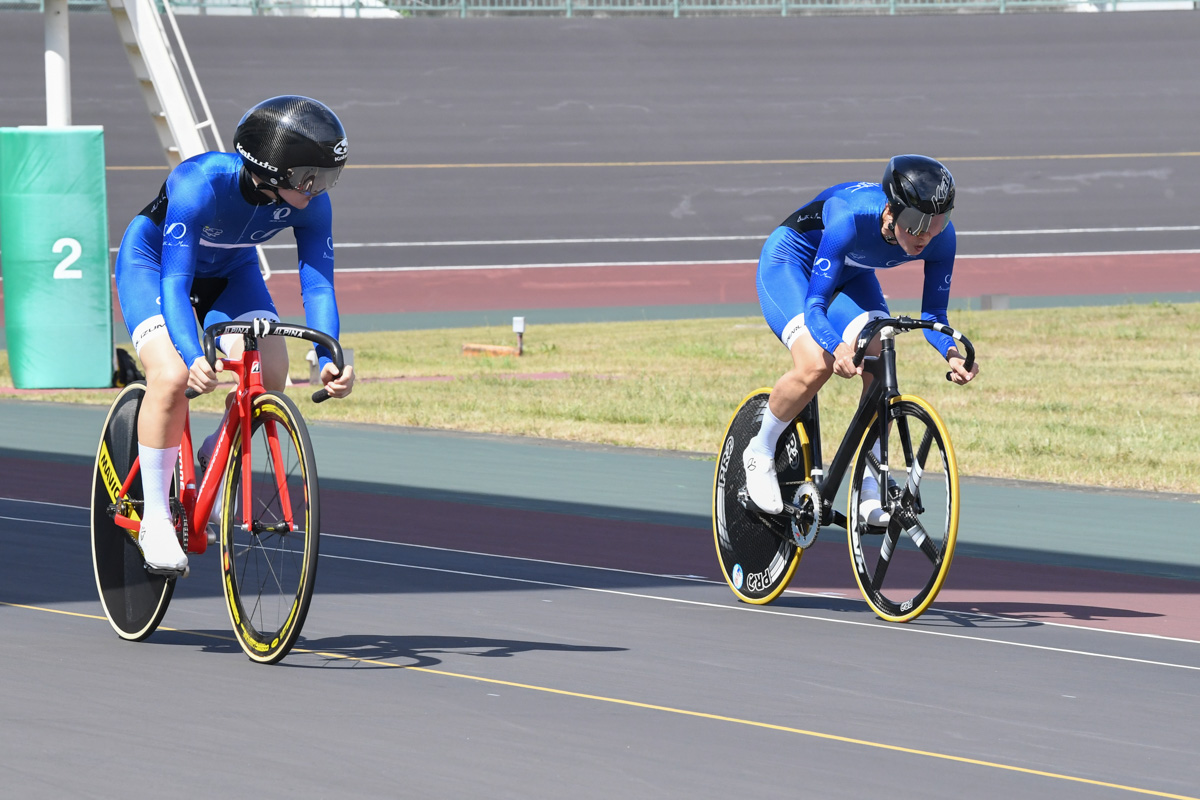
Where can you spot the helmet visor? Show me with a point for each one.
(917, 224)
(311, 180)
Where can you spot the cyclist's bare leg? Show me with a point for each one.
(812, 367)
(160, 427)
(160, 421)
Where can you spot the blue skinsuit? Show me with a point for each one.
(205, 223)
(820, 262)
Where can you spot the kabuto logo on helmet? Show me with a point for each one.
(942, 192)
(264, 164)
(341, 150)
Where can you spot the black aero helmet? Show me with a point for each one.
(293, 142)
(918, 188)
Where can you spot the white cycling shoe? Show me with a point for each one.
(870, 509)
(160, 547)
(761, 482)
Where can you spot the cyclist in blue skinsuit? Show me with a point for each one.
(817, 288)
(198, 238)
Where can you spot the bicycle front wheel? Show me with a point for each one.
(757, 553)
(901, 568)
(270, 529)
(134, 600)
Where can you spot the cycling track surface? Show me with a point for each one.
(509, 615)
(531, 619)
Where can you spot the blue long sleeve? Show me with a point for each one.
(314, 246)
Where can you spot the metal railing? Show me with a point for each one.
(596, 8)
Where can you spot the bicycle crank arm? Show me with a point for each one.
(123, 508)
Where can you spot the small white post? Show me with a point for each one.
(58, 64)
(519, 330)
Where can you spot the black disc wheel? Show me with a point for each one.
(269, 536)
(134, 600)
(757, 553)
(900, 568)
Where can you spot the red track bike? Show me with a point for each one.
(264, 473)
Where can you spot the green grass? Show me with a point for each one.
(1105, 397)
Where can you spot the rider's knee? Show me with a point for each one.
(810, 362)
(169, 379)
(165, 370)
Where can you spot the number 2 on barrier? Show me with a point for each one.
(64, 271)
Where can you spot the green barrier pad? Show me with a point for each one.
(54, 245)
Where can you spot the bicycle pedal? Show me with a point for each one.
(868, 529)
(169, 573)
(743, 498)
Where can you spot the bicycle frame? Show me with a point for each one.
(873, 405)
(198, 503)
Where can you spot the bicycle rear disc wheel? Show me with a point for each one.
(269, 568)
(901, 569)
(756, 551)
(134, 600)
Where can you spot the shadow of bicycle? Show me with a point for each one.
(370, 652)
(970, 616)
(1038, 613)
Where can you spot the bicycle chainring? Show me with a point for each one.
(805, 511)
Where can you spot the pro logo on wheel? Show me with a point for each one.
(737, 576)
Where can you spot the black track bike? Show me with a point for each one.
(899, 567)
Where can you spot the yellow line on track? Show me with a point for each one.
(735, 163)
(669, 710)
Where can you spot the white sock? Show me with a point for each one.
(158, 469)
(768, 434)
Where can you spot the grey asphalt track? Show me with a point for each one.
(1028, 110)
(530, 619)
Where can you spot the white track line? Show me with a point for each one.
(46, 522)
(757, 608)
(688, 579)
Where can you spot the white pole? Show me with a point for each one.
(58, 64)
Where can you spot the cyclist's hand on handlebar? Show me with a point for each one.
(843, 361)
(957, 373)
(203, 378)
(337, 385)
